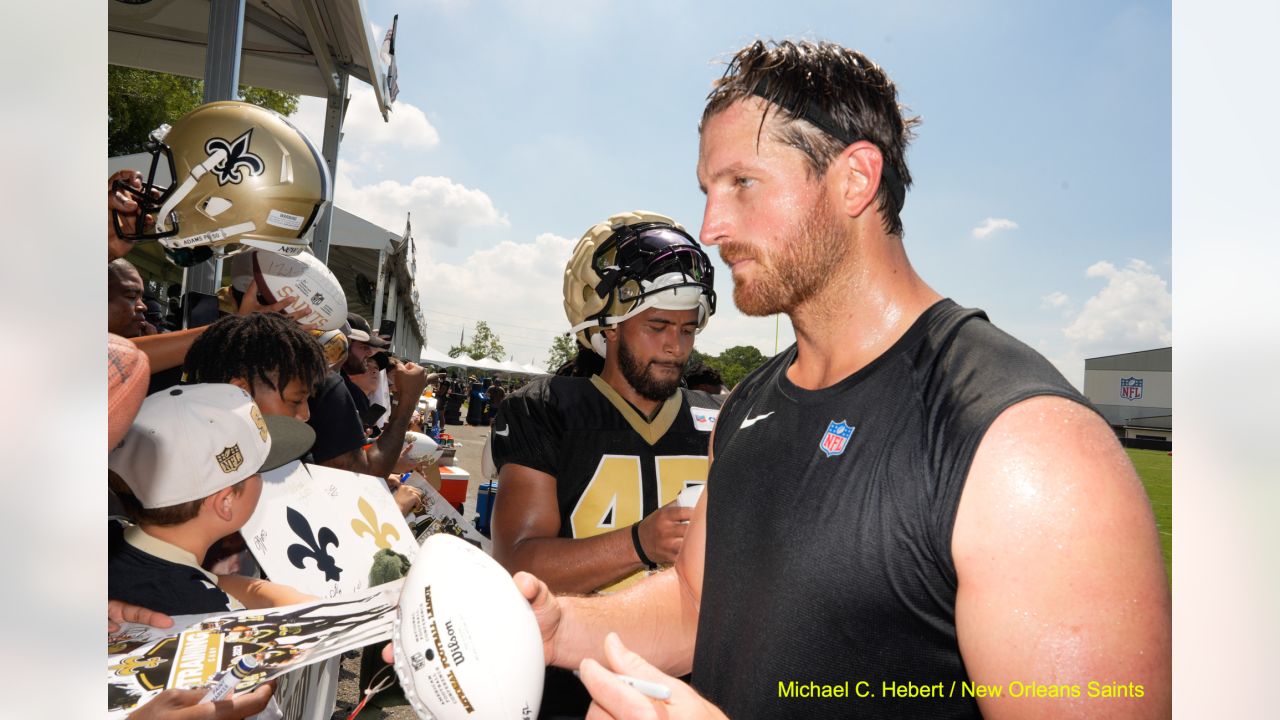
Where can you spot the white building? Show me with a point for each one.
(1134, 391)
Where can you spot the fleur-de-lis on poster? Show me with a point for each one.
(381, 534)
(238, 156)
(134, 665)
(315, 546)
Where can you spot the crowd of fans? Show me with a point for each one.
(197, 414)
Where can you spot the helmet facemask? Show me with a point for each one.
(650, 264)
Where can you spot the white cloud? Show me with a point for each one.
(441, 208)
(1133, 312)
(515, 287)
(365, 137)
(991, 225)
(1055, 300)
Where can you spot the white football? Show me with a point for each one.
(422, 448)
(467, 645)
(301, 276)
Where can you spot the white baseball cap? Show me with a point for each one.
(190, 441)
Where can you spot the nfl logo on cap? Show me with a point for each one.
(836, 438)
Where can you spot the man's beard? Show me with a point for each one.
(354, 366)
(640, 377)
(796, 271)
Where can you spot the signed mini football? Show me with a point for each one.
(466, 643)
(301, 276)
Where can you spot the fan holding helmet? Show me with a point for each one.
(241, 174)
(590, 460)
(226, 177)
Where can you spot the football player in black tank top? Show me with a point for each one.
(904, 506)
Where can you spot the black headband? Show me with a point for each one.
(804, 107)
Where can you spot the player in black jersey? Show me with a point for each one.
(590, 464)
(583, 459)
(905, 510)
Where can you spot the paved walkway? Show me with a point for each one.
(468, 458)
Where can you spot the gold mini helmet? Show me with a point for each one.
(240, 174)
(334, 343)
(630, 262)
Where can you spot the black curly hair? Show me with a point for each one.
(257, 348)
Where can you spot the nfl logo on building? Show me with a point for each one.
(836, 438)
(1131, 388)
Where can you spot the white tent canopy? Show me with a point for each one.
(512, 366)
(432, 356)
(488, 364)
(294, 46)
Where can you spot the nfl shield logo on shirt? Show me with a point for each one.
(836, 438)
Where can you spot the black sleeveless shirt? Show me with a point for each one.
(829, 523)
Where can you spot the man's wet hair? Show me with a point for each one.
(258, 348)
(828, 97)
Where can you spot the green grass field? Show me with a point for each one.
(1155, 467)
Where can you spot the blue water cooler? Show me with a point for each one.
(484, 506)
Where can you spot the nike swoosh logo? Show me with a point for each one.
(503, 432)
(752, 421)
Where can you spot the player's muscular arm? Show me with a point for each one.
(1060, 576)
(526, 522)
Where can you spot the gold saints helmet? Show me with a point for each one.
(239, 174)
(630, 262)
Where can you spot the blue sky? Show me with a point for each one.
(1042, 167)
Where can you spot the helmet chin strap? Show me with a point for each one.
(597, 340)
(189, 184)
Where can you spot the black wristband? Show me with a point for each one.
(635, 540)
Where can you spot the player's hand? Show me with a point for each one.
(546, 608)
(662, 532)
(119, 611)
(410, 380)
(249, 304)
(612, 699)
(176, 704)
(127, 209)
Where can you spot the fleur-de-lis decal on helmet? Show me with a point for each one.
(315, 546)
(366, 526)
(238, 156)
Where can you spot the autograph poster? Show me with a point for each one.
(142, 661)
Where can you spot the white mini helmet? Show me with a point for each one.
(631, 262)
